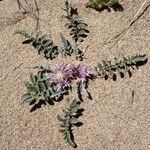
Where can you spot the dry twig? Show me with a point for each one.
(139, 13)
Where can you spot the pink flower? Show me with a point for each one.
(62, 76)
(83, 72)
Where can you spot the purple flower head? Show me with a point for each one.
(83, 72)
(69, 69)
(61, 76)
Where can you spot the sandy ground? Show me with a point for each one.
(114, 120)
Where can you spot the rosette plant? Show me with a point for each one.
(53, 82)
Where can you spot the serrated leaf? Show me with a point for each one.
(41, 43)
(107, 69)
(75, 23)
(68, 121)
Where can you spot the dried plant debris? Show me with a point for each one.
(100, 4)
(145, 5)
(42, 43)
(107, 69)
(78, 29)
(70, 49)
(40, 88)
(69, 120)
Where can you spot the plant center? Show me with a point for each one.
(59, 75)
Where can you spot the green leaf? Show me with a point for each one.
(64, 41)
(81, 26)
(27, 98)
(74, 110)
(75, 23)
(63, 125)
(77, 18)
(33, 78)
(69, 141)
(60, 118)
(28, 41)
(55, 95)
(81, 39)
(75, 91)
(27, 84)
(43, 38)
(23, 33)
(38, 87)
(49, 43)
(48, 93)
(68, 25)
(45, 96)
(107, 69)
(84, 90)
(39, 76)
(43, 86)
(40, 42)
(68, 121)
(62, 131)
(82, 32)
(73, 120)
(39, 48)
(32, 89)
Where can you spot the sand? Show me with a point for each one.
(114, 119)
